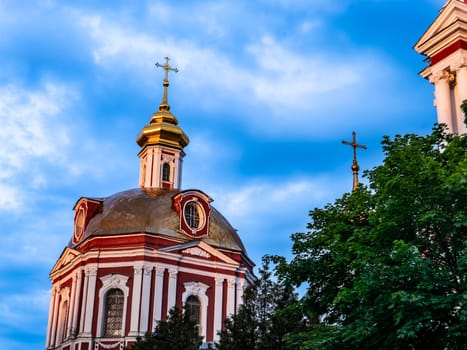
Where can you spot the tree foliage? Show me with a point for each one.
(266, 315)
(178, 332)
(386, 266)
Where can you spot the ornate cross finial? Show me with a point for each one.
(355, 167)
(164, 106)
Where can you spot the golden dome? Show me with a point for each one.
(163, 129)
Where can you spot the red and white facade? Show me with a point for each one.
(445, 45)
(136, 254)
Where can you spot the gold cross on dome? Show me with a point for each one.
(166, 67)
(355, 167)
(165, 105)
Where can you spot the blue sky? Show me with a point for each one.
(266, 91)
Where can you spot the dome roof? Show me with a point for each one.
(151, 211)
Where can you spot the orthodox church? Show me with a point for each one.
(136, 254)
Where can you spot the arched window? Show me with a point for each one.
(113, 313)
(196, 304)
(193, 307)
(166, 172)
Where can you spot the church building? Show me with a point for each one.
(136, 254)
(444, 44)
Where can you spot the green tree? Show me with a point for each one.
(386, 266)
(265, 316)
(178, 332)
(240, 329)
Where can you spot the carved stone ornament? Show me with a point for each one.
(98, 345)
(197, 252)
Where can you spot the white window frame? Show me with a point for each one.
(198, 289)
(109, 282)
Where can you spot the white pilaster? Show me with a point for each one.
(55, 316)
(136, 300)
(52, 316)
(71, 306)
(148, 170)
(158, 290)
(145, 302)
(240, 289)
(91, 272)
(74, 314)
(219, 292)
(230, 297)
(443, 99)
(172, 292)
(83, 303)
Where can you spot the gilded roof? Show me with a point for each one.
(151, 211)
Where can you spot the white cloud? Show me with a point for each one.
(308, 26)
(11, 197)
(44, 142)
(31, 125)
(286, 78)
(270, 84)
(31, 305)
(34, 129)
(268, 198)
(317, 6)
(39, 240)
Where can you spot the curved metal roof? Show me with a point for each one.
(151, 211)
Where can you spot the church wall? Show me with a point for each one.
(111, 262)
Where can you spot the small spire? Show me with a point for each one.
(164, 106)
(355, 167)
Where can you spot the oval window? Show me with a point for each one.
(194, 215)
(79, 224)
